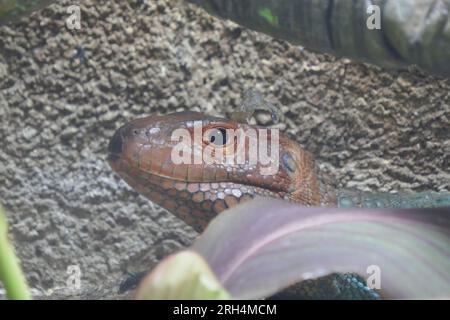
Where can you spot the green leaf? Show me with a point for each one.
(268, 16)
(10, 272)
(181, 276)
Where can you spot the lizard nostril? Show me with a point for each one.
(115, 145)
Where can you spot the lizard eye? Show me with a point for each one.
(217, 136)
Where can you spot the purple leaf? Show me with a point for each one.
(263, 246)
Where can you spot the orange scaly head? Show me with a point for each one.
(196, 166)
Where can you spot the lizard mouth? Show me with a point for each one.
(131, 159)
(132, 172)
(196, 203)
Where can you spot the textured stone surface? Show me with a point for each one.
(371, 129)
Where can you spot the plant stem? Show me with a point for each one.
(10, 272)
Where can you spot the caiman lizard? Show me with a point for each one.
(141, 153)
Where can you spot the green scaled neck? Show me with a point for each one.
(348, 199)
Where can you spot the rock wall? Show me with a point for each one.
(64, 92)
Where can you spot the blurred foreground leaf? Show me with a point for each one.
(263, 246)
(10, 273)
(183, 275)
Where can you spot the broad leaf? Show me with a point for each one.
(184, 275)
(263, 246)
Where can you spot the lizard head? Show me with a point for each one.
(196, 166)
